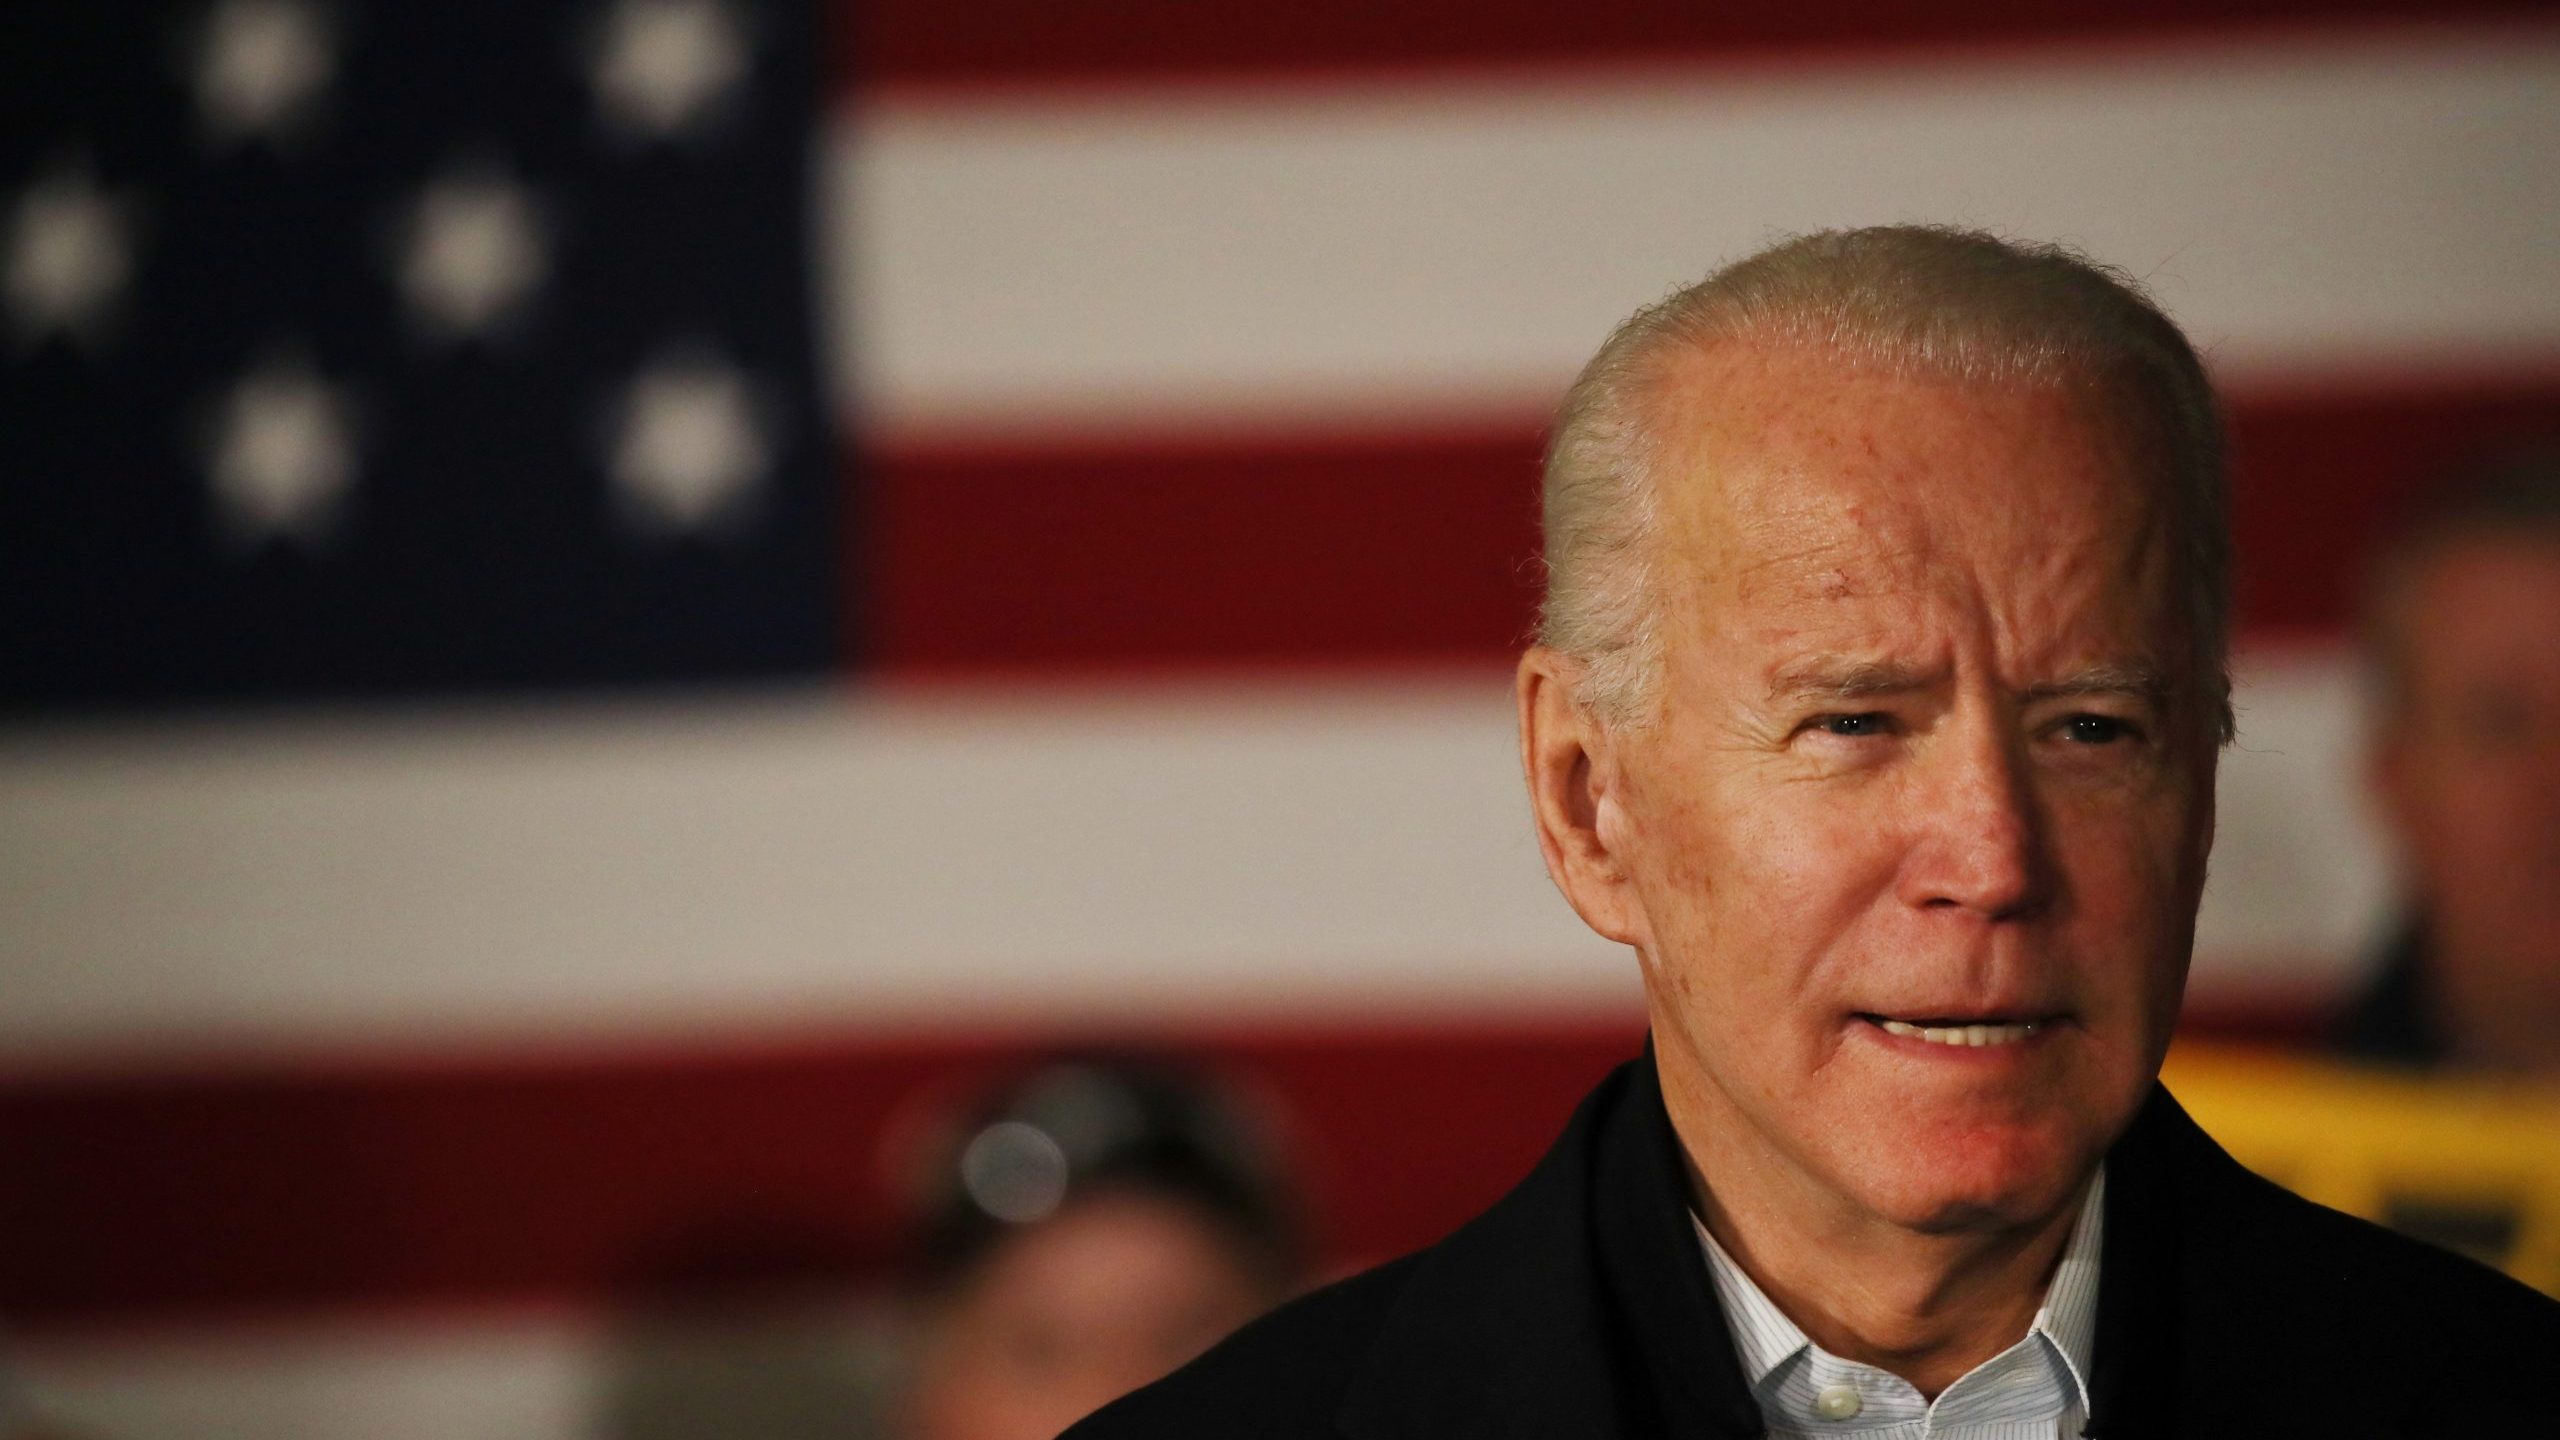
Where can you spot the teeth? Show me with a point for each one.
(1960, 1034)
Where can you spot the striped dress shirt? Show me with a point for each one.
(2034, 1390)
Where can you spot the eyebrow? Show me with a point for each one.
(2141, 680)
(1831, 677)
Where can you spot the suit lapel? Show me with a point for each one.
(1578, 1305)
(2134, 1379)
(1657, 1275)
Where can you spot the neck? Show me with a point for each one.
(1925, 1305)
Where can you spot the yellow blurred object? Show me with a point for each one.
(2465, 1162)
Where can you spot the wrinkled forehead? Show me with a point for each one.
(1801, 470)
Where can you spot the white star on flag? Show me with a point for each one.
(690, 447)
(283, 455)
(261, 64)
(660, 64)
(474, 252)
(68, 256)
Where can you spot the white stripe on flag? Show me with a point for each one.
(1282, 847)
(1369, 253)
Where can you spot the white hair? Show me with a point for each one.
(1908, 299)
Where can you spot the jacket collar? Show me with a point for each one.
(1579, 1304)
(2135, 1381)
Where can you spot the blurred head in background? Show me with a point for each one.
(2463, 626)
(1093, 1224)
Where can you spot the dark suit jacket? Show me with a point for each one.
(1579, 1306)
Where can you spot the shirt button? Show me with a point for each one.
(1837, 1402)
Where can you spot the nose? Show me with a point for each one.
(1977, 843)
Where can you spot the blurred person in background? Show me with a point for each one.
(1094, 1224)
(2463, 633)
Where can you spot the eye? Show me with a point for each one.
(1870, 722)
(2098, 729)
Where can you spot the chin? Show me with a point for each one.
(1986, 1179)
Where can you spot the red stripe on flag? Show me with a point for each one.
(1289, 552)
(630, 1178)
(912, 43)
(2322, 477)
(633, 1179)
(1417, 549)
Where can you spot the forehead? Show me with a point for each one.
(1795, 477)
(2483, 600)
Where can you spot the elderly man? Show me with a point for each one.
(1876, 709)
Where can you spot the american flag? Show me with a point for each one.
(371, 351)
(598, 591)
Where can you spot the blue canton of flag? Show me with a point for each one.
(393, 350)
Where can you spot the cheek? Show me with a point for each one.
(1776, 872)
(2456, 824)
(2488, 812)
(2490, 844)
(2131, 887)
(2111, 856)
(2148, 863)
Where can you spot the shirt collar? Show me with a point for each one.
(1764, 1338)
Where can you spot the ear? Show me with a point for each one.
(1576, 795)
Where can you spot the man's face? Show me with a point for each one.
(1913, 853)
(2470, 773)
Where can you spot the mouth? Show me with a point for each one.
(1960, 1032)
